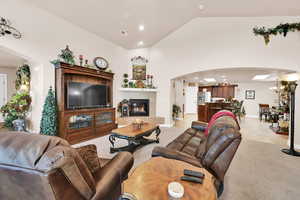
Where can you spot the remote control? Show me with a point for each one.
(191, 179)
(193, 173)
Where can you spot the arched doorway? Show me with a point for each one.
(10, 61)
(251, 86)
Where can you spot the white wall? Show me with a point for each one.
(11, 77)
(178, 94)
(214, 43)
(43, 36)
(127, 68)
(263, 95)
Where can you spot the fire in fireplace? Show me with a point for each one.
(139, 107)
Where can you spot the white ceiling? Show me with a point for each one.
(8, 59)
(233, 75)
(107, 18)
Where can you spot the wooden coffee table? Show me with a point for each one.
(135, 137)
(150, 181)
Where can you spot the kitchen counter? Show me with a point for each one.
(207, 110)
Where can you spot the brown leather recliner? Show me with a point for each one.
(213, 152)
(36, 167)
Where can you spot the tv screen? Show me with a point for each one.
(84, 95)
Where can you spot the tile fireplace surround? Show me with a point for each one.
(136, 93)
(139, 94)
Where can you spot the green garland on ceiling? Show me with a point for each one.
(281, 29)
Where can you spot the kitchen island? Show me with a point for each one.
(207, 110)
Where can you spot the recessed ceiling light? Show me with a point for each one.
(261, 77)
(201, 7)
(210, 80)
(141, 27)
(223, 76)
(196, 78)
(141, 43)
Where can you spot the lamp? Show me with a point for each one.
(291, 85)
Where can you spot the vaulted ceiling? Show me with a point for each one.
(107, 18)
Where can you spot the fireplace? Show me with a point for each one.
(139, 107)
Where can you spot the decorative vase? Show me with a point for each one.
(19, 125)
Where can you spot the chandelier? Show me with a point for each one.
(7, 29)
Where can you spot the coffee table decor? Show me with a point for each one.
(135, 135)
(150, 181)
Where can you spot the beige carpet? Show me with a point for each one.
(259, 170)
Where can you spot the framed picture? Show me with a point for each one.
(250, 94)
(139, 72)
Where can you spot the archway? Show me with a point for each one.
(10, 61)
(266, 88)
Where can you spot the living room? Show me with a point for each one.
(153, 47)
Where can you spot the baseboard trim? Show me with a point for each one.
(166, 125)
(297, 146)
(252, 116)
(179, 118)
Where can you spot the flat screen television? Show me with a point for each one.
(85, 95)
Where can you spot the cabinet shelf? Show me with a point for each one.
(83, 124)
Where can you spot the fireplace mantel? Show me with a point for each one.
(137, 90)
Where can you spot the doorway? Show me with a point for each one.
(191, 100)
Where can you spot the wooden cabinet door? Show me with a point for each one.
(202, 113)
(214, 92)
(231, 91)
(220, 92)
(225, 92)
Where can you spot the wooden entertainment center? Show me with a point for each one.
(77, 125)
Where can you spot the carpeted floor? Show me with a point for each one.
(259, 170)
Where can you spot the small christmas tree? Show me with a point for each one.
(49, 115)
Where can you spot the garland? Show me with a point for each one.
(281, 29)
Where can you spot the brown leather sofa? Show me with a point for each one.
(36, 167)
(213, 152)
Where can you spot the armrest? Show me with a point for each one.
(73, 167)
(110, 177)
(176, 155)
(89, 155)
(121, 163)
(201, 126)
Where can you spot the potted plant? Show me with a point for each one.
(65, 56)
(125, 80)
(15, 111)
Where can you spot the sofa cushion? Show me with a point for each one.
(191, 142)
(89, 155)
